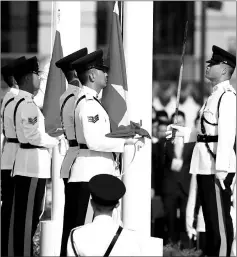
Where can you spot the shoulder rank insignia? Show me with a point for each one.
(93, 119)
(32, 121)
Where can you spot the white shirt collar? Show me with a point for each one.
(14, 91)
(90, 91)
(103, 218)
(72, 87)
(221, 86)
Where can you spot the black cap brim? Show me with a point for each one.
(103, 68)
(213, 62)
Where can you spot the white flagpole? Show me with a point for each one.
(137, 178)
(47, 240)
(51, 230)
(137, 200)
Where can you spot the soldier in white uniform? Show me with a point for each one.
(214, 160)
(9, 152)
(103, 237)
(91, 125)
(67, 102)
(33, 160)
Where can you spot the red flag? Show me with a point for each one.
(56, 85)
(114, 95)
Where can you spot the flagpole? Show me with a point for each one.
(137, 200)
(51, 230)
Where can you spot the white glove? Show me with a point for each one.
(176, 164)
(63, 145)
(140, 143)
(135, 141)
(180, 131)
(191, 231)
(221, 175)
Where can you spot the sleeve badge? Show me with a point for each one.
(93, 119)
(32, 121)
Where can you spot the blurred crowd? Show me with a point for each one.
(170, 179)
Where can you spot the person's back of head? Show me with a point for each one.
(106, 190)
(65, 63)
(95, 239)
(8, 70)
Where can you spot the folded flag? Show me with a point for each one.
(129, 131)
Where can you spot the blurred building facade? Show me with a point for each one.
(26, 29)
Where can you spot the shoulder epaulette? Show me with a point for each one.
(229, 89)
